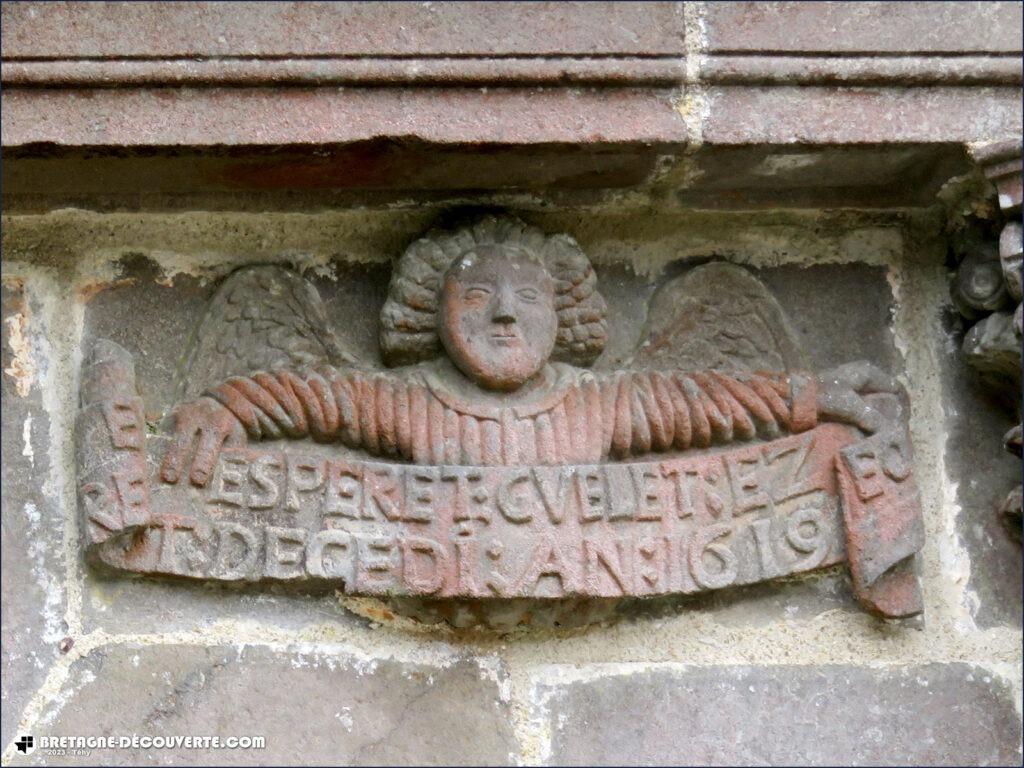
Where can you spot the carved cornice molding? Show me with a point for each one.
(905, 70)
(672, 74)
(730, 105)
(515, 71)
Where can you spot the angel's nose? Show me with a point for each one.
(504, 309)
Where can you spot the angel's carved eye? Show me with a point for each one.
(529, 295)
(477, 293)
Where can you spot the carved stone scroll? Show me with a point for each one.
(113, 479)
(641, 528)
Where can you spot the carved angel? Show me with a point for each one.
(488, 332)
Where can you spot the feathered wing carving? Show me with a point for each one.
(260, 318)
(717, 316)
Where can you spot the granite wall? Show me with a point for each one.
(830, 148)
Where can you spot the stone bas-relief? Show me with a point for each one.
(986, 290)
(492, 459)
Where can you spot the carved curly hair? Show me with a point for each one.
(408, 321)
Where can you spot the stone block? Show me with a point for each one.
(34, 30)
(313, 708)
(819, 115)
(861, 331)
(933, 714)
(864, 28)
(33, 602)
(219, 117)
(738, 176)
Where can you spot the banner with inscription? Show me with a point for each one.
(677, 524)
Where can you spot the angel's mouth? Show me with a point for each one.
(505, 339)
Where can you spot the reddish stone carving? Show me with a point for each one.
(510, 470)
(113, 479)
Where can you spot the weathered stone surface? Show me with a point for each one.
(1000, 161)
(33, 522)
(306, 116)
(143, 308)
(209, 117)
(141, 606)
(137, 311)
(313, 708)
(1010, 252)
(935, 714)
(832, 68)
(986, 291)
(632, 60)
(821, 115)
(757, 176)
(794, 599)
(365, 174)
(992, 346)
(373, 71)
(208, 29)
(862, 331)
(976, 421)
(979, 286)
(377, 171)
(864, 28)
(560, 110)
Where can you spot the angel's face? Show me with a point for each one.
(497, 318)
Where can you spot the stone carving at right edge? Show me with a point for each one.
(987, 291)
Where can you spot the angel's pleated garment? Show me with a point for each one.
(585, 417)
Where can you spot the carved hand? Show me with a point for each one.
(841, 394)
(207, 425)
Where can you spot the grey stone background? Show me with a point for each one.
(790, 672)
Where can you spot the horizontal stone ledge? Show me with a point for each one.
(587, 117)
(865, 69)
(511, 71)
(907, 71)
(300, 116)
(31, 29)
(859, 115)
(386, 171)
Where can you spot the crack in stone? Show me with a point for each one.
(193, 683)
(394, 728)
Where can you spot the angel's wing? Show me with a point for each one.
(717, 316)
(260, 318)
